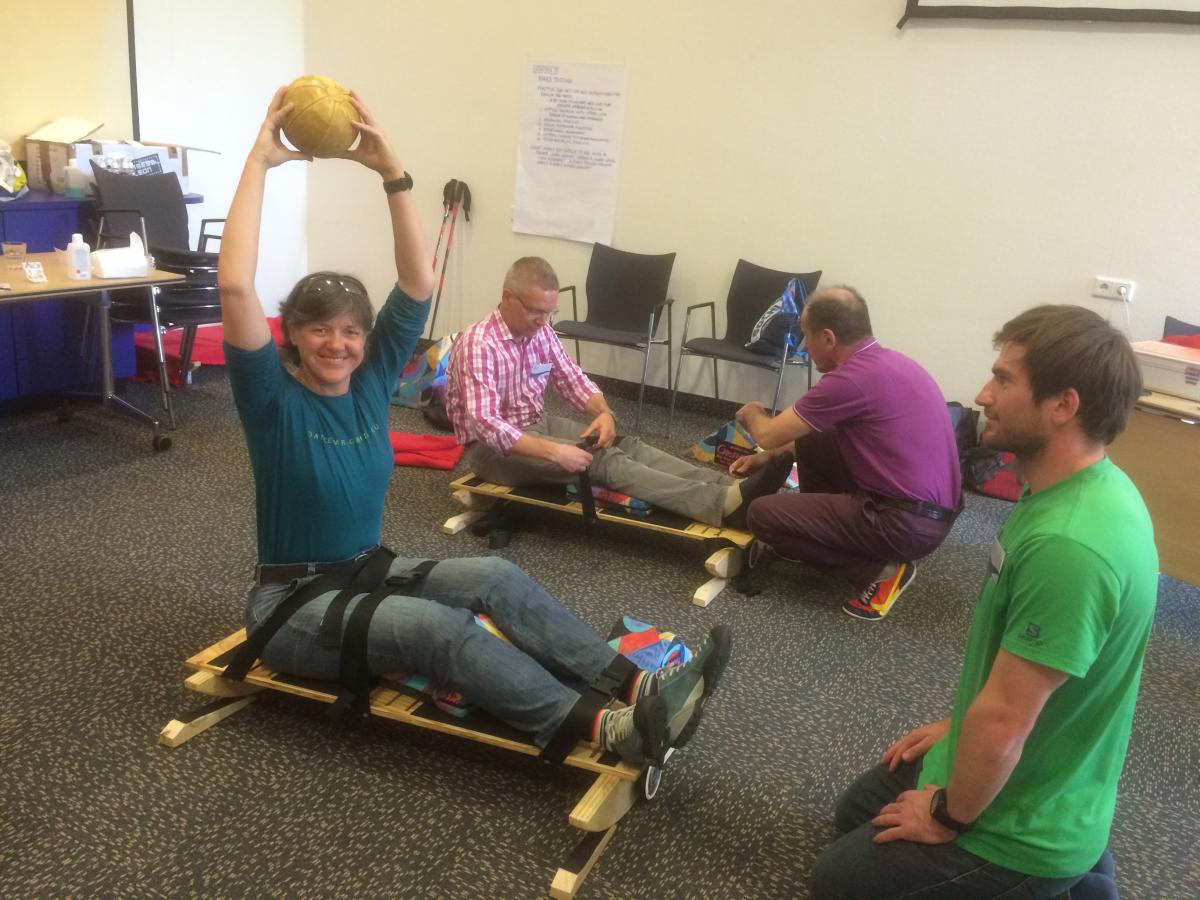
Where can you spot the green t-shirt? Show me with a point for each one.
(1071, 585)
(322, 464)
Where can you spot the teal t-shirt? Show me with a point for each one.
(321, 464)
(1071, 585)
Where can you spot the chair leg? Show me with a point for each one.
(778, 388)
(164, 382)
(716, 384)
(186, 345)
(637, 421)
(674, 393)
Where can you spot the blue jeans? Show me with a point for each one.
(530, 684)
(856, 868)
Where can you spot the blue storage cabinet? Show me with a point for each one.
(40, 341)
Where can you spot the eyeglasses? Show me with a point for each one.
(328, 286)
(547, 314)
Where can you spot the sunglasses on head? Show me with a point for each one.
(330, 285)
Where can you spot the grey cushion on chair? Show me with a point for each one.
(728, 350)
(586, 331)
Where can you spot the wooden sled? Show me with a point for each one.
(617, 786)
(722, 565)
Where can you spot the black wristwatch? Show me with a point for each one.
(396, 185)
(937, 809)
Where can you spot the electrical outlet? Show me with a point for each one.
(1113, 289)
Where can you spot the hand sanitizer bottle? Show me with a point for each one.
(76, 181)
(79, 259)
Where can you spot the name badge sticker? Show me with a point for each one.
(996, 560)
(541, 369)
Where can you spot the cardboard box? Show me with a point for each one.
(48, 149)
(145, 157)
(1169, 369)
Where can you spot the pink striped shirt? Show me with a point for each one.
(497, 382)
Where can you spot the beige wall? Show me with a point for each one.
(71, 61)
(955, 173)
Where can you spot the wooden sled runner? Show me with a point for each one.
(617, 786)
(479, 496)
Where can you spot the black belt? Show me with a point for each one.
(921, 508)
(282, 574)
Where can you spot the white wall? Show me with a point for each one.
(955, 173)
(50, 71)
(206, 71)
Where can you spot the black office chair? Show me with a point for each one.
(153, 206)
(751, 292)
(626, 296)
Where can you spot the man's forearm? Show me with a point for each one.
(596, 404)
(533, 446)
(989, 747)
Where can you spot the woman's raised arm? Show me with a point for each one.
(241, 312)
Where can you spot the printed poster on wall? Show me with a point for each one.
(569, 148)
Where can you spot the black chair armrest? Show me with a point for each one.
(205, 237)
(574, 305)
(712, 309)
(193, 259)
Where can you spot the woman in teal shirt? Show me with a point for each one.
(318, 444)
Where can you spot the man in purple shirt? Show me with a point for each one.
(497, 381)
(879, 472)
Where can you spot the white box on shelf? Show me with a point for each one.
(1169, 368)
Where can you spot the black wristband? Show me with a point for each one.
(938, 811)
(397, 185)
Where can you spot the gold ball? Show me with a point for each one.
(321, 120)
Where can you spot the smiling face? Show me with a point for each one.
(329, 351)
(1014, 421)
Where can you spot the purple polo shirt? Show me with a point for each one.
(893, 428)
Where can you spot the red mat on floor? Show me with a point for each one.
(206, 351)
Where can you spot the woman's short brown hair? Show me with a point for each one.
(321, 296)
(1072, 347)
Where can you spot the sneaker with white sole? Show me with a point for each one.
(880, 596)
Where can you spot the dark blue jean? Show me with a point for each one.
(531, 683)
(856, 868)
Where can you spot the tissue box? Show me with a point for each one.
(121, 262)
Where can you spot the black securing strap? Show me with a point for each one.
(576, 725)
(355, 694)
(369, 575)
(585, 481)
(615, 678)
(248, 652)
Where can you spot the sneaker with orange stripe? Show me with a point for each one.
(880, 596)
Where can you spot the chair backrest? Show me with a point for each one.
(622, 287)
(752, 290)
(159, 198)
(1173, 327)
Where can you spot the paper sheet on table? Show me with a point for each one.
(568, 153)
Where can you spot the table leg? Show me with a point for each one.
(107, 396)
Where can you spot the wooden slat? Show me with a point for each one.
(696, 531)
(607, 800)
(569, 878)
(389, 703)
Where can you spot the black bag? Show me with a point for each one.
(965, 422)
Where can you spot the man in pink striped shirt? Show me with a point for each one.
(498, 377)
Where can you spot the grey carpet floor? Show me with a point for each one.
(118, 563)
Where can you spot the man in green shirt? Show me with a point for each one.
(1015, 790)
